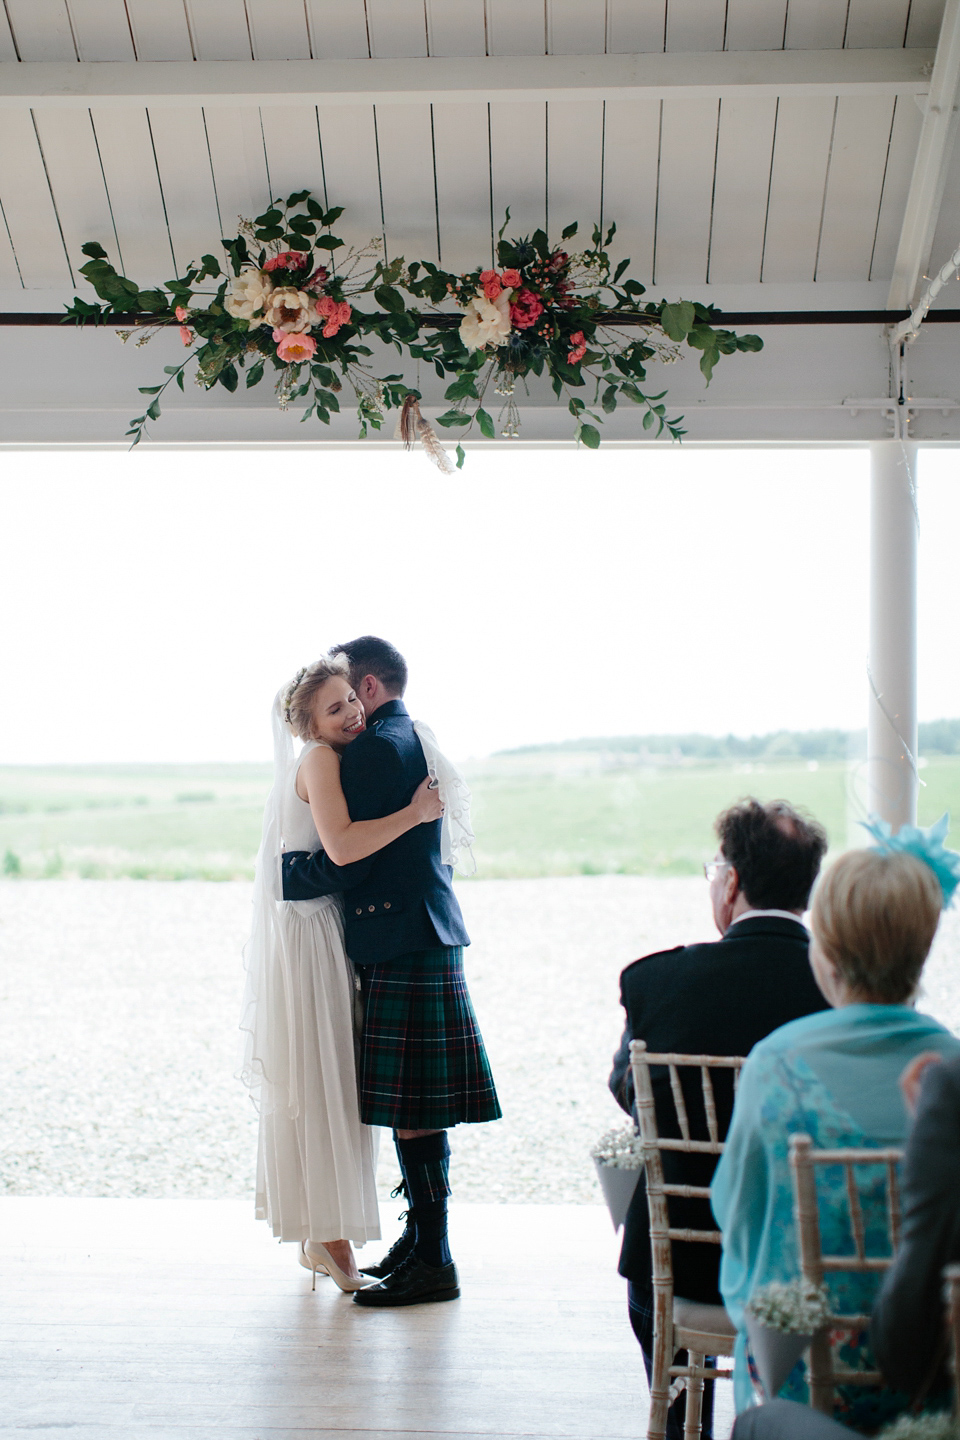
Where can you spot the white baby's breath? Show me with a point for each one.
(796, 1307)
(620, 1147)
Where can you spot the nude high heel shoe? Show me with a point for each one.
(315, 1256)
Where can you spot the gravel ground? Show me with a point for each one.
(118, 1040)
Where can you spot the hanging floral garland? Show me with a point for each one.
(287, 309)
(545, 311)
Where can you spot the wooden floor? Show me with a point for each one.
(182, 1319)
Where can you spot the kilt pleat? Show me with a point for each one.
(423, 1065)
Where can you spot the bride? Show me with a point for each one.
(315, 1161)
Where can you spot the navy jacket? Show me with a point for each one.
(401, 899)
(719, 998)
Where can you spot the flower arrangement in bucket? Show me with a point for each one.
(618, 1157)
(545, 311)
(285, 307)
(782, 1318)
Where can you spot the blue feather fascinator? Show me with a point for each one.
(927, 845)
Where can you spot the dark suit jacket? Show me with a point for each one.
(399, 900)
(711, 999)
(907, 1333)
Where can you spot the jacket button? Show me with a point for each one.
(359, 909)
(371, 908)
(386, 904)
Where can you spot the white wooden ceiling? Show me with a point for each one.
(788, 194)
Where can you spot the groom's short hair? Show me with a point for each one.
(369, 655)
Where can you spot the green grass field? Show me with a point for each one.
(536, 813)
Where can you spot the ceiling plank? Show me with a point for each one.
(744, 150)
(854, 187)
(925, 18)
(937, 139)
(25, 196)
(102, 30)
(133, 184)
(518, 146)
(804, 126)
(515, 78)
(398, 29)
(816, 24)
(896, 185)
(8, 48)
(635, 26)
(278, 29)
(877, 22)
(42, 30)
(516, 27)
(456, 27)
(292, 142)
(463, 196)
(184, 166)
(338, 29)
(220, 30)
(631, 145)
(348, 142)
(235, 141)
(73, 165)
(160, 30)
(756, 24)
(687, 151)
(406, 181)
(576, 27)
(696, 24)
(575, 141)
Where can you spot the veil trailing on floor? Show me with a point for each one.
(265, 953)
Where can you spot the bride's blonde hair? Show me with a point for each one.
(300, 693)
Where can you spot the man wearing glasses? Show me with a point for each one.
(718, 998)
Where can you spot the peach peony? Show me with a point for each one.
(294, 349)
(511, 279)
(289, 310)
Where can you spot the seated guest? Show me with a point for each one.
(908, 1333)
(833, 1076)
(718, 998)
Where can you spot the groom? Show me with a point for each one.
(422, 1066)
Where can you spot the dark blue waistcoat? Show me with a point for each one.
(401, 899)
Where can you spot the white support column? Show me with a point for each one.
(892, 683)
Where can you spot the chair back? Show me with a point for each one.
(815, 1265)
(662, 1233)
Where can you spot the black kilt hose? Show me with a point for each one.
(423, 1065)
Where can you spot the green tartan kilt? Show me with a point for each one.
(423, 1065)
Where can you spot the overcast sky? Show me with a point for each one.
(153, 602)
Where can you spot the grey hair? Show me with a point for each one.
(299, 695)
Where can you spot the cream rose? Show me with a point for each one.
(486, 322)
(290, 310)
(248, 294)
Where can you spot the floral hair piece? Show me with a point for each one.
(925, 844)
(292, 689)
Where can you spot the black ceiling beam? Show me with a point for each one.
(737, 318)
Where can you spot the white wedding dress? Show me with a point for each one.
(316, 1162)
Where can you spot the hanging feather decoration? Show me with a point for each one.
(412, 427)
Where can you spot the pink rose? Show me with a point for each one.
(579, 348)
(340, 317)
(181, 313)
(511, 279)
(186, 335)
(294, 349)
(318, 279)
(490, 281)
(326, 306)
(289, 260)
(525, 310)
